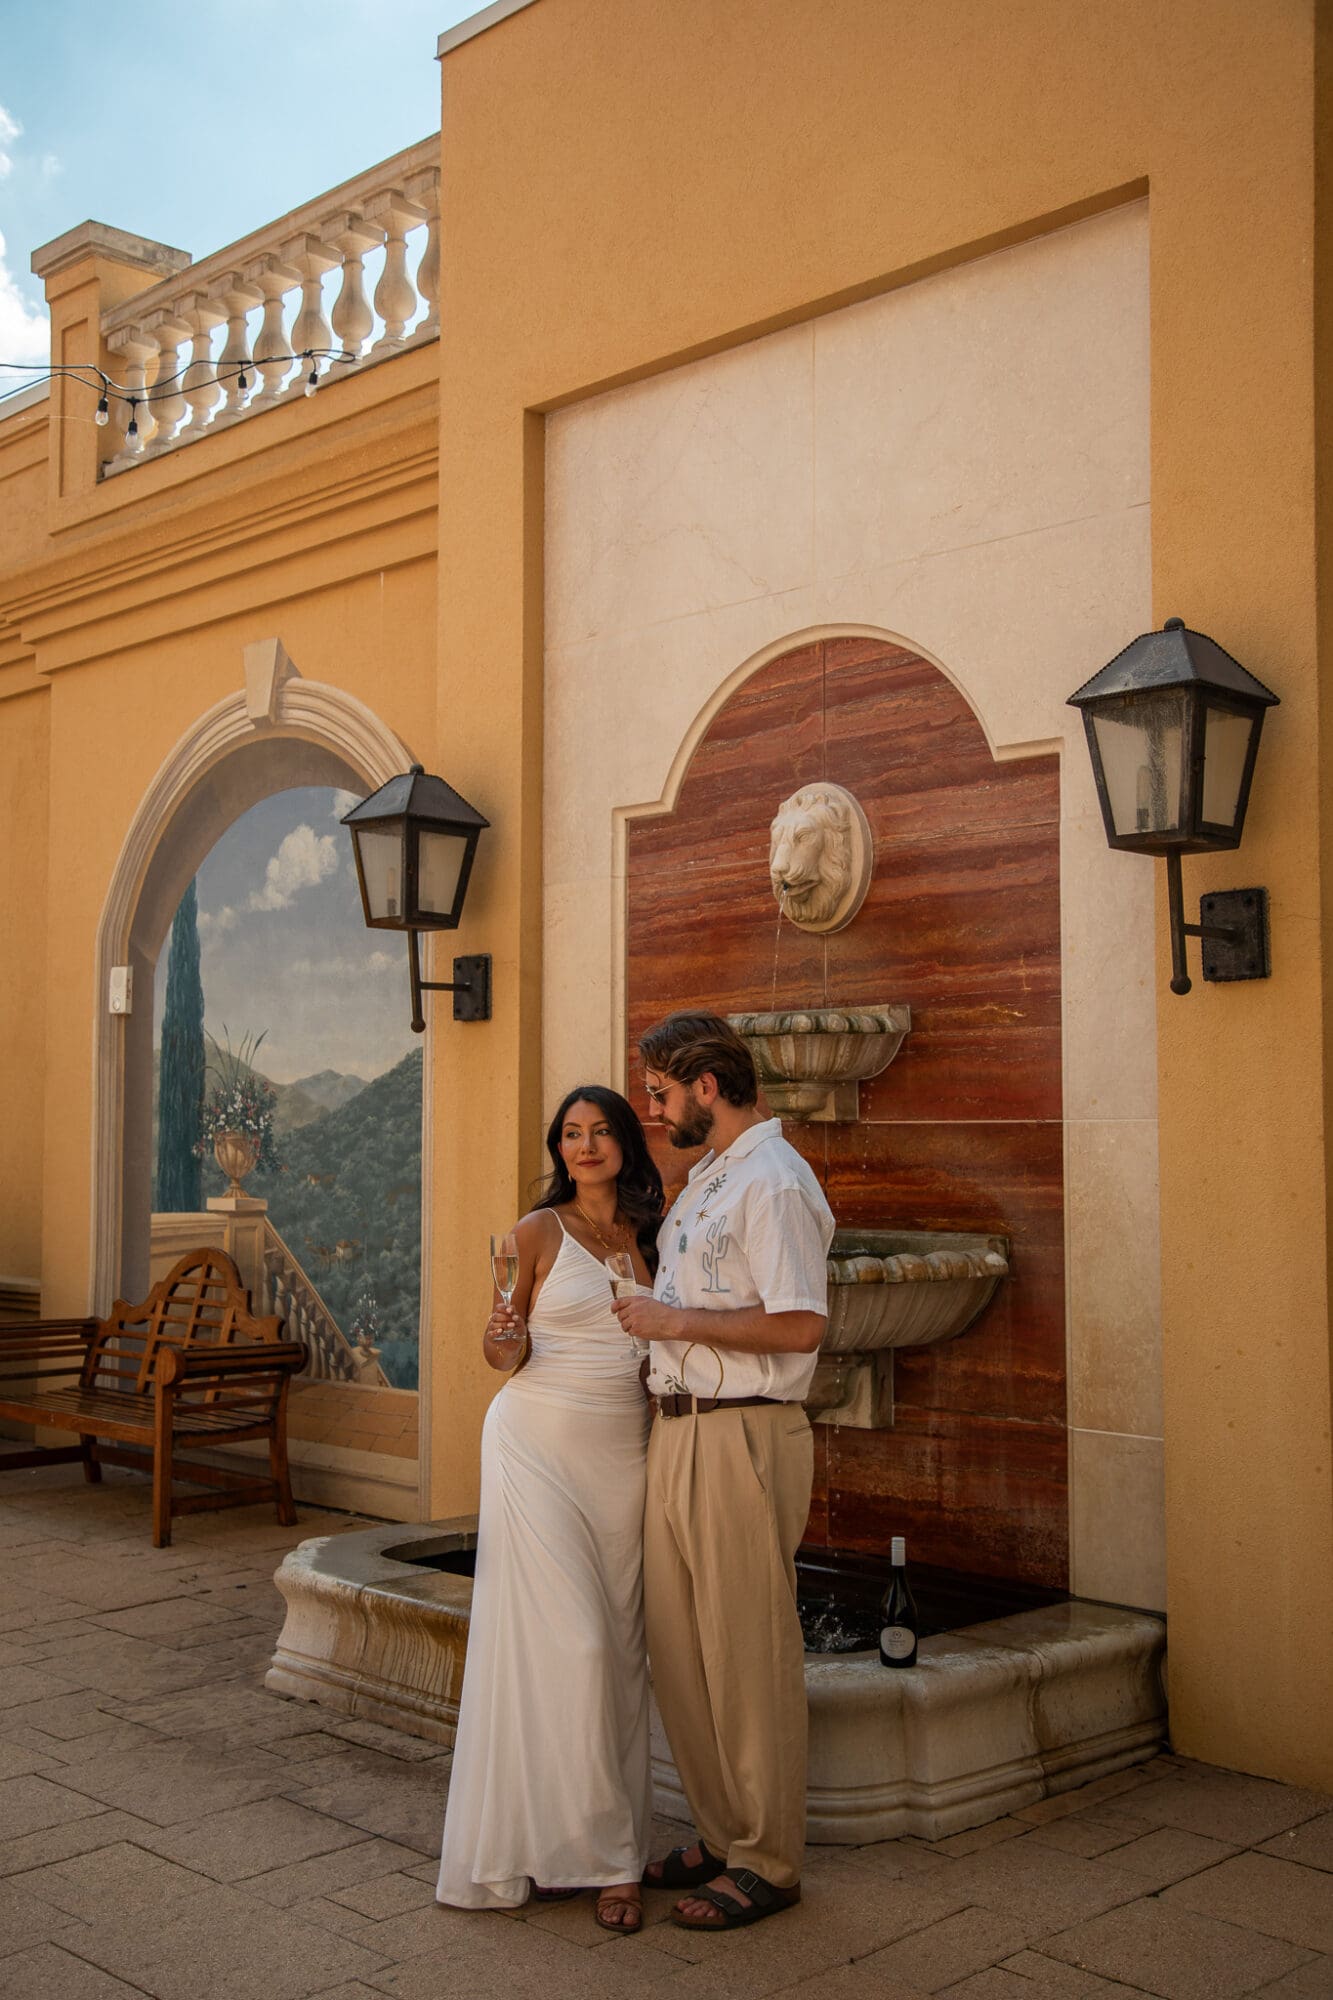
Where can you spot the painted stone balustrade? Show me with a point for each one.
(350, 279)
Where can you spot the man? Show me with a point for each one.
(737, 1315)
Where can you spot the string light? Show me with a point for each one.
(132, 427)
(94, 377)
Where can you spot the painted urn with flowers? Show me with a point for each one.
(236, 1121)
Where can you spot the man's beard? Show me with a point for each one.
(692, 1130)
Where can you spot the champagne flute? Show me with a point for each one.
(624, 1285)
(504, 1271)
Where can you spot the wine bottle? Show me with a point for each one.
(899, 1623)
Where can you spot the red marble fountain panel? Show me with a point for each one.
(963, 1130)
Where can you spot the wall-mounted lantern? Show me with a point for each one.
(414, 841)
(1173, 728)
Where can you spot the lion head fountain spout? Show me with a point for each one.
(820, 857)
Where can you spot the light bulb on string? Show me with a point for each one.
(242, 382)
(132, 428)
(102, 414)
(312, 379)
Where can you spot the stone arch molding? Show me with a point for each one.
(277, 731)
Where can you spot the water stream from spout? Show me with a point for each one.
(777, 946)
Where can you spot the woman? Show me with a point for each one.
(550, 1786)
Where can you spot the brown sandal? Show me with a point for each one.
(607, 1900)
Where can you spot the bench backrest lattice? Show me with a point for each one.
(199, 1303)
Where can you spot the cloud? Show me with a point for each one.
(10, 129)
(52, 165)
(303, 859)
(215, 922)
(382, 961)
(25, 331)
(343, 803)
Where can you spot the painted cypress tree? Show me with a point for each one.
(176, 1185)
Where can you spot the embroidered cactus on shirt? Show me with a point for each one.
(714, 1255)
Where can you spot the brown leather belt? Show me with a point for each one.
(698, 1406)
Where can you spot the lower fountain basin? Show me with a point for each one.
(906, 1288)
(995, 1715)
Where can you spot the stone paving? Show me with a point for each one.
(167, 1827)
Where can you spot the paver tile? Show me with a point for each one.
(1279, 1898)
(1221, 1805)
(17, 1761)
(385, 1896)
(48, 1973)
(1175, 1953)
(1052, 1979)
(166, 1620)
(1311, 1981)
(121, 1879)
(1166, 1855)
(75, 1836)
(113, 1664)
(252, 1839)
(23, 1685)
(27, 1920)
(284, 1887)
(28, 1804)
(484, 1953)
(255, 1954)
(1041, 1888)
(173, 1782)
(996, 1983)
(1311, 1844)
(63, 1715)
(943, 1953)
(106, 1584)
(406, 1805)
(1087, 1837)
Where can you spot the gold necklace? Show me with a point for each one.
(595, 1230)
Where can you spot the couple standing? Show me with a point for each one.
(602, 1512)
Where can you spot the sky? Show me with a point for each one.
(284, 950)
(193, 126)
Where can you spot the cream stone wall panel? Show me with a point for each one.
(988, 428)
(994, 399)
(1013, 622)
(1115, 1291)
(1117, 1531)
(578, 950)
(1109, 943)
(619, 707)
(690, 492)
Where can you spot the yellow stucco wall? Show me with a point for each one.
(627, 185)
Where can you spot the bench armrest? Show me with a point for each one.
(222, 1365)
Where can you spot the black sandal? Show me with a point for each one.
(553, 1895)
(678, 1873)
(765, 1901)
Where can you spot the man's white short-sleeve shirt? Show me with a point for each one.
(750, 1227)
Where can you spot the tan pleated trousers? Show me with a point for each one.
(728, 1497)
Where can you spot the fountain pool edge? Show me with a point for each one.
(992, 1718)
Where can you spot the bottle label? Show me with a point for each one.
(897, 1641)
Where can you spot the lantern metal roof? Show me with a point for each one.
(417, 795)
(1172, 658)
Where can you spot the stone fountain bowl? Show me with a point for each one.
(903, 1288)
(810, 1061)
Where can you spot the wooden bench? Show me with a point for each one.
(192, 1365)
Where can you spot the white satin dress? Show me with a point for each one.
(550, 1775)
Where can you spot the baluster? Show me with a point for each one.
(236, 299)
(274, 280)
(425, 188)
(199, 384)
(135, 350)
(312, 331)
(168, 403)
(353, 320)
(395, 294)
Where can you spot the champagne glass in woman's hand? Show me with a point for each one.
(625, 1285)
(504, 1270)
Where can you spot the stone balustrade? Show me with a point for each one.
(290, 1292)
(351, 278)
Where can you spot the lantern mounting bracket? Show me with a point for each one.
(470, 986)
(1235, 942)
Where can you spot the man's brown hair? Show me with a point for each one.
(688, 1046)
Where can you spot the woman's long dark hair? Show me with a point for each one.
(639, 1195)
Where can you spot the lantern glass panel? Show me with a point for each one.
(440, 860)
(1226, 743)
(1141, 749)
(381, 852)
